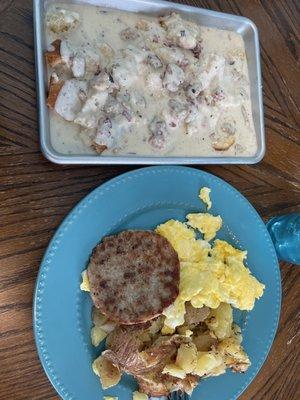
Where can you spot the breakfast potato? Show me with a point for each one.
(108, 373)
(156, 326)
(209, 363)
(145, 337)
(85, 284)
(98, 318)
(194, 316)
(102, 327)
(187, 357)
(174, 316)
(220, 321)
(174, 370)
(184, 331)
(139, 396)
(204, 340)
(233, 354)
(97, 335)
(166, 330)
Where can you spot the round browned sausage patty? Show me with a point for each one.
(133, 276)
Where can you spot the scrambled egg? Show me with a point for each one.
(183, 240)
(222, 250)
(206, 223)
(110, 398)
(204, 195)
(209, 275)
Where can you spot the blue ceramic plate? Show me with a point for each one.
(140, 200)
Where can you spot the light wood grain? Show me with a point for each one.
(35, 195)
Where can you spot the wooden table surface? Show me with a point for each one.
(35, 195)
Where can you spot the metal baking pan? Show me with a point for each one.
(204, 17)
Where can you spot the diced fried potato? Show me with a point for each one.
(166, 330)
(220, 321)
(139, 396)
(102, 327)
(194, 316)
(85, 284)
(184, 331)
(204, 341)
(98, 318)
(219, 370)
(97, 335)
(156, 326)
(108, 373)
(207, 362)
(237, 333)
(174, 370)
(109, 326)
(145, 337)
(187, 357)
(102, 321)
(233, 354)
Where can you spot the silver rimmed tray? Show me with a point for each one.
(204, 17)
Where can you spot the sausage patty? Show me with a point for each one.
(133, 276)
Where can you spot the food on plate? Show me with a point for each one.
(102, 327)
(139, 396)
(204, 195)
(108, 372)
(206, 224)
(85, 284)
(164, 303)
(183, 239)
(134, 257)
(123, 83)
